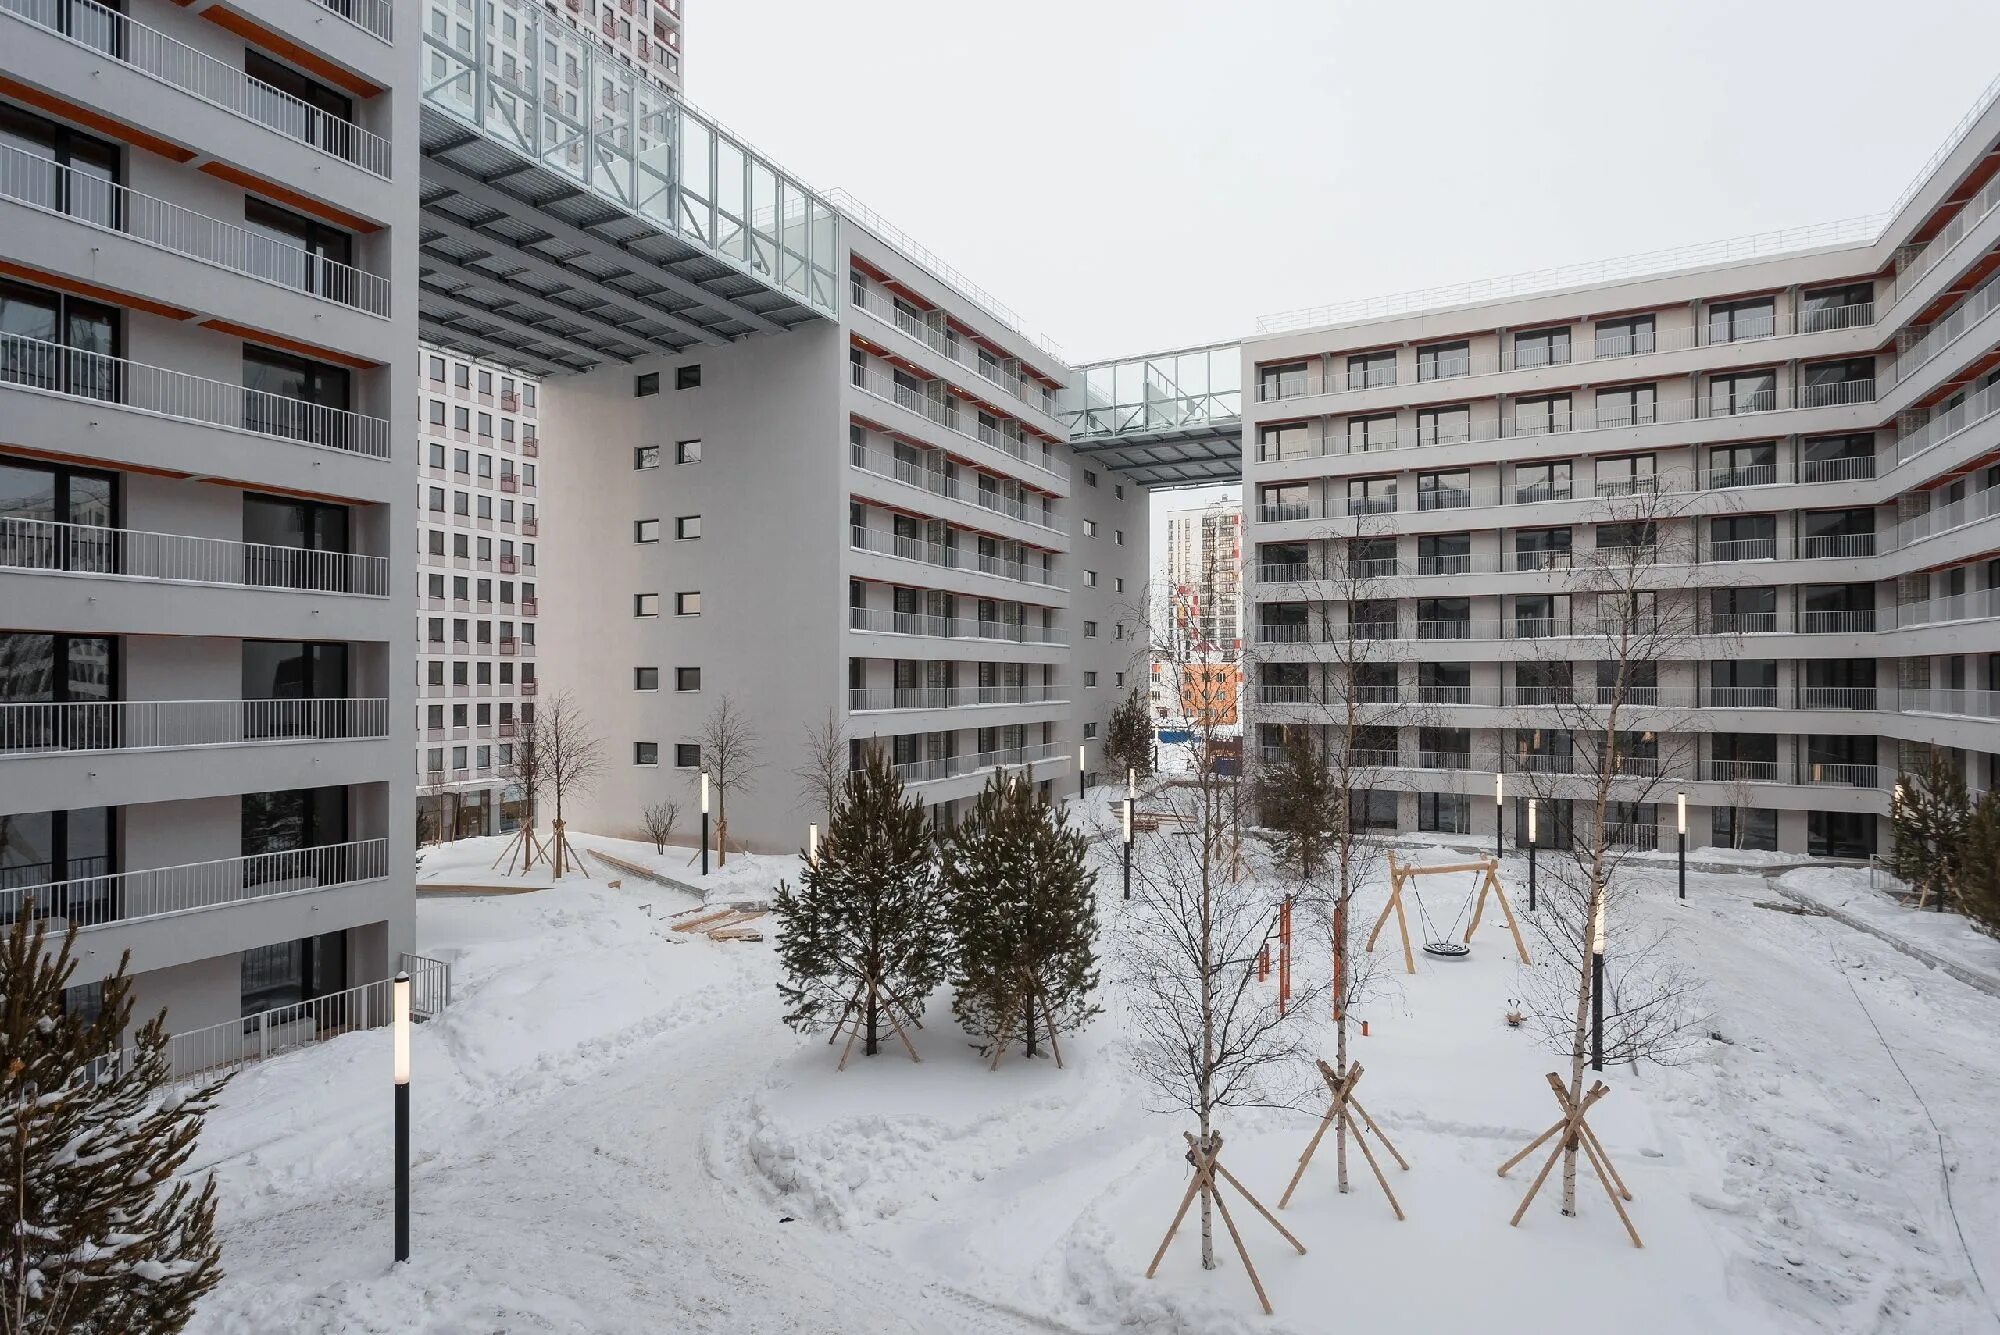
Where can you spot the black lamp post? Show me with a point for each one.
(704, 822)
(1081, 777)
(400, 990)
(1499, 813)
(1681, 855)
(1597, 986)
(1532, 842)
(1131, 793)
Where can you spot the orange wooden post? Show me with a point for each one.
(1284, 954)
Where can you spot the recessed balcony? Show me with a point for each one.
(33, 728)
(43, 547)
(158, 892)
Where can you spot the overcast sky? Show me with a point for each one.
(1135, 175)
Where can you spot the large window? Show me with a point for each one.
(45, 847)
(310, 255)
(290, 821)
(295, 544)
(1444, 426)
(1836, 307)
(61, 343)
(1745, 392)
(1370, 370)
(319, 115)
(292, 397)
(1627, 405)
(59, 168)
(292, 670)
(1626, 336)
(1735, 321)
(77, 670)
(1444, 361)
(1541, 414)
(1542, 347)
(48, 514)
(292, 973)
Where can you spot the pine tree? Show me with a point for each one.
(1979, 871)
(866, 926)
(1128, 738)
(1299, 803)
(1024, 917)
(1929, 818)
(100, 1238)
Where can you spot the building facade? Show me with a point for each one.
(645, 34)
(1791, 448)
(208, 308)
(868, 530)
(1204, 567)
(477, 581)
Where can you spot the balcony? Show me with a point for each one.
(1836, 545)
(1023, 389)
(1742, 549)
(39, 183)
(509, 646)
(374, 17)
(913, 474)
(531, 528)
(889, 622)
(1838, 774)
(109, 34)
(952, 697)
(1739, 771)
(939, 414)
(100, 901)
(1837, 622)
(945, 556)
(43, 547)
(955, 767)
(509, 566)
(509, 483)
(1836, 697)
(510, 402)
(1740, 697)
(531, 447)
(47, 368)
(528, 687)
(36, 728)
(1740, 623)
(529, 607)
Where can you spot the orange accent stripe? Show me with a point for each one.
(259, 35)
(104, 125)
(290, 198)
(312, 350)
(104, 294)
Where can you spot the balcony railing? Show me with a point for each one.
(1947, 332)
(886, 621)
(1446, 760)
(954, 767)
(1836, 697)
(41, 183)
(862, 700)
(937, 412)
(1838, 774)
(1741, 697)
(1837, 622)
(1739, 771)
(97, 901)
(1739, 623)
(1025, 389)
(937, 483)
(41, 728)
(374, 17)
(48, 368)
(944, 556)
(176, 64)
(81, 549)
(1842, 545)
(1742, 549)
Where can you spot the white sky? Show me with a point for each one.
(1146, 174)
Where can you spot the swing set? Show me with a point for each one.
(1485, 882)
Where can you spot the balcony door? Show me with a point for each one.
(289, 670)
(56, 692)
(59, 343)
(54, 518)
(295, 544)
(279, 828)
(74, 849)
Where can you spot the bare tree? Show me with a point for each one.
(569, 757)
(1596, 756)
(524, 770)
(730, 757)
(659, 819)
(823, 764)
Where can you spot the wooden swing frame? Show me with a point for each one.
(1402, 874)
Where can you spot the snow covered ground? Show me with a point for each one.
(614, 1132)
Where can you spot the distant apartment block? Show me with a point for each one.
(1203, 570)
(645, 34)
(477, 591)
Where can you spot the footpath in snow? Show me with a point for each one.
(614, 1132)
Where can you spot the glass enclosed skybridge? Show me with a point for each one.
(1171, 419)
(575, 213)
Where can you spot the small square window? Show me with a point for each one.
(647, 385)
(645, 753)
(1118, 584)
(645, 604)
(1089, 731)
(687, 755)
(1118, 537)
(1089, 629)
(687, 527)
(1089, 478)
(687, 377)
(687, 679)
(1090, 528)
(646, 679)
(687, 451)
(687, 604)
(1090, 579)
(646, 456)
(1090, 681)
(1119, 491)
(1117, 679)
(646, 530)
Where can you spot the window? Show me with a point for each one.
(1284, 381)
(311, 256)
(687, 755)
(1371, 433)
(645, 604)
(687, 451)
(1117, 679)
(1836, 307)
(1090, 630)
(1444, 491)
(1118, 490)
(437, 412)
(1118, 537)
(1370, 370)
(1090, 528)
(1089, 478)
(1118, 584)
(1090, 579)
(646, 679)
(646, 456)
(1747, 392)
(687, 604)
(1090, 681)
(646, 530)
(1541, 414)
(270, 378)
(687, 377)
(645, 753)
(1735, 321)
(1626, 337)
(645, 386)
(687, 680)
(437, 369)
(1542, 347)
(1541, 482)
(1443, 361)
(1627, 405)
(1089, 731)
(461, 419)
(687, 528)
(1444, 426)
(1626, 475)
(1752, 465)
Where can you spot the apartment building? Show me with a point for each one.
(1203, 569)
(207, 309)
(1795, 437)
(871, 522)
(477, 576)
(644, 34)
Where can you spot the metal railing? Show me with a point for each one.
(145, 725)
(80, 549)
(41, 183)
(1980, 604)
(1739, 771)
(1025, 389)
(1836, 697)
(945, 557)
(98, 901)
(374, 17)
(1739, 623)
(1287, 695)
(1959, 701)
(1742, 549)
(913, 474)
(1939, 247)
(1823, 774)
(220, 84)
(1949, 424)
(1840, 621)
(955, 767)
(1817, 546)
(49, 368)
(1944, 333)
(1740, 697)
(886, 621)
(869, 700)
(941, 415)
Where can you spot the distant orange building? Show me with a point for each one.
(1209, 691)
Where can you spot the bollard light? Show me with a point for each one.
(1681, 842)
(1532, 841)
(1079, 769)
(400, 991)
(812, 843)
(1499, 802)
(704, 822)
(1597, 985)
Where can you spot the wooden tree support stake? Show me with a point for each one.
(855, 1019)
(1342, 1111)
(1570, 1132)
(1209, 1174)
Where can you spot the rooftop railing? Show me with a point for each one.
(178, 65)
(48, 368)
(99, 901)
(79, 549)
(41, 728)
(41, 183)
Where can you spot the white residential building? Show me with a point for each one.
(477, 579)
(1203, 571)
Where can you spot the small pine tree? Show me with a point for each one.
(866, 926)
(1979, 869)
(1024, 917)
(1128, 738)
(1299, 803)
(100, 1238)
(1929, 819)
